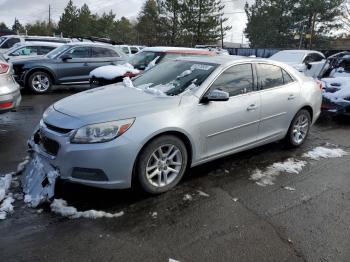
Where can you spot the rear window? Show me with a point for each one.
(142, 59)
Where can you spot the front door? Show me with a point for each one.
(234, 123)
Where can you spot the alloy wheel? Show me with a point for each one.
(40, 83)
(300, 129)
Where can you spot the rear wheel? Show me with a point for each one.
(299, 129)
(39, 82)
(161, 164)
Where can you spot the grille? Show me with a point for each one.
(347, 98)
(58, 129)
(50, 146)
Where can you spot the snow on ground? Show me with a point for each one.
(6, 198)
(187, 197)
(113, 71)
(59, 206)
(324, 152)
(201, 193)
(267, 177)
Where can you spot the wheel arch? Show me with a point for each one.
(310, 110)
(37, 69)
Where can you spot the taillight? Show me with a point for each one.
(319, 84)
(4, 68)
(6, 105)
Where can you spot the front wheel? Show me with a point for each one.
(299, 129)
(161, 164)
(39, 82)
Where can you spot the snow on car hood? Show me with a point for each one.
(337, 89)
(113, 102)
(113, 71)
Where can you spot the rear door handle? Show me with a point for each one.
(291, 97)
(252, 107)
(86, 64)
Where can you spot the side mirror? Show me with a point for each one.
(308, 66)
(216, 95)
(66, 57)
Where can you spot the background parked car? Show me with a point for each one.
(68, 64)
(145, 59)
(305, 61)
(130, 50)
(10, 96)
(9, 41)
(30, 49)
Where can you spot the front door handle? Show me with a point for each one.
(292, 97)
(86, 64)
(252, 107)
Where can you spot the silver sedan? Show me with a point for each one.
(178, 115)
(10, 95)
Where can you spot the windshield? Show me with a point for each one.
(2, 39)
(174, 77)
(296, 57)
(142, 59)
(56, 52)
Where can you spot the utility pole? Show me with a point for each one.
(222, 34)
(49, 15)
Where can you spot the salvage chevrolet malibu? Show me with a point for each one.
(186, 112)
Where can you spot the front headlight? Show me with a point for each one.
(102, 132)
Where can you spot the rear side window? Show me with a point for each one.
(45, 49)
(10, 42)
(103, 52)
(287, 78)
(236, 80)
(125, 50)
(270, 76)
(134, 50)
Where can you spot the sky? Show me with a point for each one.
(31, 10)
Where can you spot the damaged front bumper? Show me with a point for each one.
(106, 165)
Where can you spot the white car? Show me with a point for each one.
(308, 62)
(130, 50)
(8, 41)
(30, 49)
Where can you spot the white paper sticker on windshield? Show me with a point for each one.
(201, 67)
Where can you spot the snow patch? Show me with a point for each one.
(203, 194)
(267, 177)
(5, 183)
(6, 206)
(60, 207)
(152, 64)
(289, 188)
(324, 152)
(113, 71)
(337, 89)
(187, 197)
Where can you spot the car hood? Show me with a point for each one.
(28, 60)
(113, 102)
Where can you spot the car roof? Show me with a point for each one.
(220, 60)
(89, 44)
(169, 49)
(299, 51)
(38, 43)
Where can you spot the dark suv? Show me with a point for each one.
(68, 64)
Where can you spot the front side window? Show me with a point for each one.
(236, 80)
(10, 42)
(25, 51)
(79, 52)
(174, 77)
(45, 49)
(134, 50)
(270, 76)
(125, 50)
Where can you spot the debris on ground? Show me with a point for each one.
(187, 197)
(173, 260)
(235, 199)
(324, 152)
(154, 215)
(267, 177)
(289, 188)
(201, 193)
(60, 207)
(38, 182)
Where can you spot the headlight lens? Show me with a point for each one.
(102, 132)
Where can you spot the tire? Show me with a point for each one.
(158, 176)
(39, 82)
(299, 129)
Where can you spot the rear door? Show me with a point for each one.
(76, 69)
(232, 124)
(280, 94)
